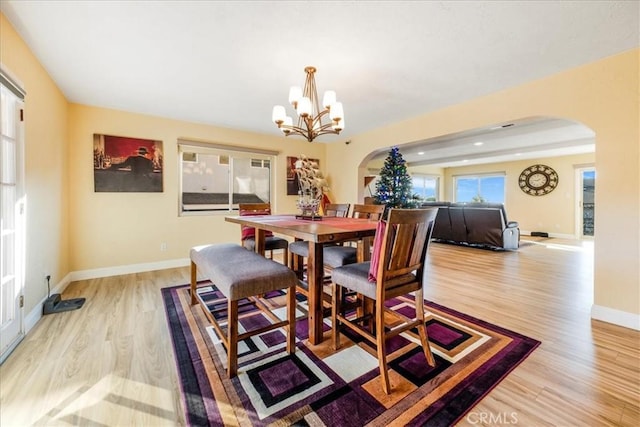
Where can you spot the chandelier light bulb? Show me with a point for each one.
(278, 114)
(328, 99)
(295, 93)
(304, 107)
(338, 125)
(336, 112)
(288, 123)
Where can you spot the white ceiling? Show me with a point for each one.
(227, 63)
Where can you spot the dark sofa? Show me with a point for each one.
(475, 224)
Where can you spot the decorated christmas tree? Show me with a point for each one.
(394, 186)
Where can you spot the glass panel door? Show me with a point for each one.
(588, 179)
(11, 223)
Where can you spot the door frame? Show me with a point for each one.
(20, 211)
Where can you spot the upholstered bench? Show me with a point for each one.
(239, 273)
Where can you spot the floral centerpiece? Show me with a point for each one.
(311, 187)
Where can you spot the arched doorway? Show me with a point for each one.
(503, 150)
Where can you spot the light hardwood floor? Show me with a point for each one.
(111, 363)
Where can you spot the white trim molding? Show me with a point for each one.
(128, 269)
(617, 317)
(556, 235)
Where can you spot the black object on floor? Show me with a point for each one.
(55, 304)
(539, 234)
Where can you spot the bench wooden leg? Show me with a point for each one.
(291, 318)
(232, 339)
(194, 281)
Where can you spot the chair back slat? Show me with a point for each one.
(373, 212)
(405, 244)
(423, 230)
(254, 207)
(340, 210)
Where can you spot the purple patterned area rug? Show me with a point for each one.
(319, 386)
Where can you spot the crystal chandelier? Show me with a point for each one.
(305, 102)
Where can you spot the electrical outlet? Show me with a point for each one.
(163, 247)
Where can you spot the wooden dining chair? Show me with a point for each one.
(337, 256)
(299, 250)
(340, 210)
(248, 234)
(334, 255)
(396, 268)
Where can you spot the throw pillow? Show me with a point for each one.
(377, 249)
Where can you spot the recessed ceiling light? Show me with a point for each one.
(421, 153)
(518, 154)
(465, 161)
(479, 143)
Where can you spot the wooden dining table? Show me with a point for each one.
(318, 233)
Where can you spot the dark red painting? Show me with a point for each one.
(123, 164)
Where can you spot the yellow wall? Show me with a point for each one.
(115, 229)
(603, 96)
(554, 213)
(46, 163)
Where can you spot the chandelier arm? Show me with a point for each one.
(323, 128)
(327, 131)
(311, 136)
(294, 130)
(318, 118)
(310, 122)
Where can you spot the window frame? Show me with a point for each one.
(268, 158)
(479, 177)
(426, 176)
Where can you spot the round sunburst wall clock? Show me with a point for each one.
(538, 180)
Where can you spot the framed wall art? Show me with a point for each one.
(292, 178)
(123, 164)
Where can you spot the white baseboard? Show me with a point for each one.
(617, 317)
(556, 235)
(128, 269)
(34, 315)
